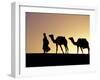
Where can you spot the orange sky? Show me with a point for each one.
(68, 25)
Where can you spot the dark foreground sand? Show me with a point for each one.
(38, 60)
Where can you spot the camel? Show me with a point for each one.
(81, 43)
(60, 40)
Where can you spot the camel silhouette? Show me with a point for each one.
(81, 43)
(60, 40)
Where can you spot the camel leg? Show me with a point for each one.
(61, 49)
(44, 51)
(81, 50)
(56, 48)
(88, 50)
(77, 50)
(66, 49)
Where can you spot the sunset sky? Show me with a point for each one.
(68, 25)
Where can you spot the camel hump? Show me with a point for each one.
(83, 42)
(82, 39)
(61, 37)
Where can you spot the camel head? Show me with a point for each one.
(51, 36)
(70, 38)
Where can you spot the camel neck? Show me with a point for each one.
(52, 38)
(75, 43)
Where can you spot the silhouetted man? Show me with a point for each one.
(45, 48)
